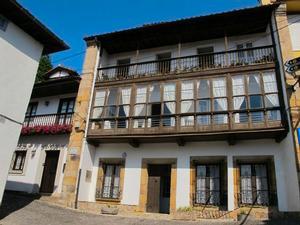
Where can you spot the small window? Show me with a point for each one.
(3, 23)
(65, 110)
(208, 184)
(18, 161)
(30, 113)
(206, 58)
(111, 181)
(164, 62)
(123, 67)
(254, 184)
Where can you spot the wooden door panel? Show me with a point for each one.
(49, 174)
(153, 194)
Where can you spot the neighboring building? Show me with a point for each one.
(288, 26)
(23, 39)
(38, 163)
(184, 114)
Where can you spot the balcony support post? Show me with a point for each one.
(230, 183)
(226, 49)
(178, 61)
(137, 54)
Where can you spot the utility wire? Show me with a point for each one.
(10, 119)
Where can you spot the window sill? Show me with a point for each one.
(16, 173)
(109, 200)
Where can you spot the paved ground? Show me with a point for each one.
(24, 210)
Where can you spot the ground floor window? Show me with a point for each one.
(18, 161)
(254, 184)
(208, 184)
(111, 181)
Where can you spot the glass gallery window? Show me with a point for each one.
(112, 105)
(157, 103)
(255, 92)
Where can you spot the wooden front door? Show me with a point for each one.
(153, 198)
(50, 166)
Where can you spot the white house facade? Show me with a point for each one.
(22, 41)
(190, 113)
(38, 163)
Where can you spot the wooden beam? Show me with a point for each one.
(180, 141)
(231, 140)
(280, 137)
(134, 143)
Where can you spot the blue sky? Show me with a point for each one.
(73, 20)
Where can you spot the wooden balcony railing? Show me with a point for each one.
(194, 63)
(189, 123)
(48, 120)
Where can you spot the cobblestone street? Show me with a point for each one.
(24, 210)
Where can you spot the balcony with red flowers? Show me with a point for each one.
(47, 124)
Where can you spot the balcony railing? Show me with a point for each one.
(236, 120)
(186, 64)
(48, 120)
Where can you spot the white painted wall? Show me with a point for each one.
(260, 39)
(294, 28)
(19, 58)
(53, 105)
(59, 74)
(286, 176)
(30, 180)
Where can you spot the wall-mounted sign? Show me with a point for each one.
(293, 65)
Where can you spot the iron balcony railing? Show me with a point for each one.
(48, 120)
(193, 63)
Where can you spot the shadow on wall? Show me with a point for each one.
(22, 187)
(13, 201)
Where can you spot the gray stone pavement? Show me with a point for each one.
(24, 210)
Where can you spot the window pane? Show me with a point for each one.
(140, 110)
(111, 111)
(219, 87)
(97, 112)
(107, 185)
(220, 119)
(169, 108)
(187, 90)
(240, 117)
(254, 84)
(270, 84)
(154, 93)
(125, 95)
(203, 89)
(255, 101)
(169, 92)
(274, 115)
(239, 103)
(141, 93)
(257, 117)
(220, 104)
(187, 106)
(99, 98)
(124, 110)
(261, 184)
(203, 105)
(187, 121)
(112, 96)
(246, 185)
(203, 120)
(271, 100)
(238, 87)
